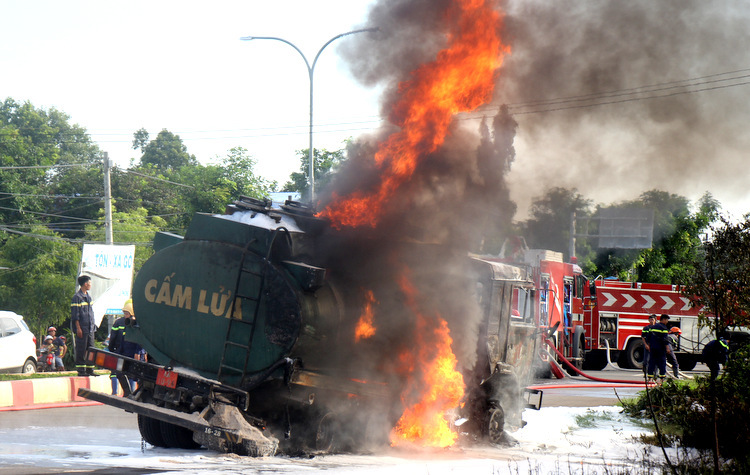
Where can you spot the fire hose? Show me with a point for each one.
(581, 373)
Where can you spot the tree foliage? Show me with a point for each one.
(166, 152)
(39, 277)
(549, 224)
(720, 281)
(326, 163)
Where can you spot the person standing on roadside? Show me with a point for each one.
(82, 324)
(645, 333)
(657, 343)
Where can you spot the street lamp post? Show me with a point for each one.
(310, 71)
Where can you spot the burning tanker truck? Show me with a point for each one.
(271, 332)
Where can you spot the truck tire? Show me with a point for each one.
(633, 355)
(686, 362)
(578, 352)
(151, 431)
(177, 437)
(495, 424)
(325, 435)
(596, 360)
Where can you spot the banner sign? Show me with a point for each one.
(110, 267)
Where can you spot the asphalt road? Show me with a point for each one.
(103, 440)
(578, 391)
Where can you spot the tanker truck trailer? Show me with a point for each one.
(250, 321)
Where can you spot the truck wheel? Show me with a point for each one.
(686, 362)
(578, 353)
(596, 360)
(634, 355)
(495, 424)
(151, 431)
(177, 437)
(325, 436)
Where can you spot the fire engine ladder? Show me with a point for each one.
(235, 323)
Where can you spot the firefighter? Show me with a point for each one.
(714, 354)
(672, 336)
(657, 343)
(118, 342)
(83, 324)
(644, 336)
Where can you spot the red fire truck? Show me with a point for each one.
(595, 321)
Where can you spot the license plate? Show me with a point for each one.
(166, 378)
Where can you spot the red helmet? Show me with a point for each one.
(675, 330)
(51, 329)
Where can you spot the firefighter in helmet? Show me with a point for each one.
(714, 354)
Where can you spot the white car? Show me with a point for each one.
(17, 345)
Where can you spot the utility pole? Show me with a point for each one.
(572, 239)
(107, 201)
(310, 73)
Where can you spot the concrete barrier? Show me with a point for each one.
(49, 392)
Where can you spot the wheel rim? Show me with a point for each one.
(495, 425)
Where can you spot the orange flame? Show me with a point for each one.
(365, 328)
(460, 79)
(440, 385)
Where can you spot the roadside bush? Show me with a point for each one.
(683, 409)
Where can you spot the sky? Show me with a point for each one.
(612, 99)
(115, 67)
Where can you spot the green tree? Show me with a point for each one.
(167, 152)
(674, 254)
(549, 224)
(326, 163)
(676, 239)
(719, 282)
(40, 278)
(238, 167)
(35, 140)
(140, 139)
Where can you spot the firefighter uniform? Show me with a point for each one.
(645, 335)
(714, 354)
(82, 312)
(658, 343)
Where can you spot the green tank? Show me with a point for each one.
(227, 300)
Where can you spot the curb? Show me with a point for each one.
(50, 392)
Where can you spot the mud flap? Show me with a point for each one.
(528, 394)
(229, 432)
(224, 430)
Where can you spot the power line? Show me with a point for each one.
(48, 166)
(158, 179)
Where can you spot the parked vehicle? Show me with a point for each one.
(17, 344)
